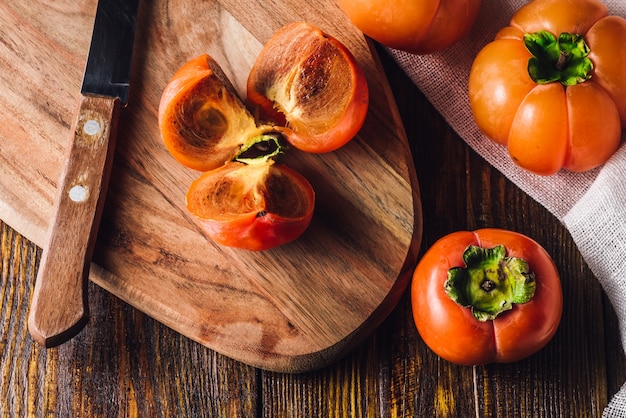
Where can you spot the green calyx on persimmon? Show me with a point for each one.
(490, 283)
(563, 59)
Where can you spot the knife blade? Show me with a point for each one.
(59, 306)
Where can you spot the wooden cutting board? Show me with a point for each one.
(294, 308)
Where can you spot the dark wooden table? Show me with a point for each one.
(126, 364)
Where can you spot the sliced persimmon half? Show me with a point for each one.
(309, 82)
(255, 206)
(203, 121)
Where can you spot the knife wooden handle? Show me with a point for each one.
(59, 308)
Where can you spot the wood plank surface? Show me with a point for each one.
(126, 364)
(293, 308)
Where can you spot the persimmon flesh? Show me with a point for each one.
(243, 199)
(317, 98)
(311, 83)
(203, 121)
(252, 206)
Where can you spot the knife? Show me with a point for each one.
(59, 307)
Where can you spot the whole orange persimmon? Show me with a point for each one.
(551, 86)
(486, 296)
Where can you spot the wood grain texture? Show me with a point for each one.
(293, 308)
(41, 75)
(59, 304)
(126, 364)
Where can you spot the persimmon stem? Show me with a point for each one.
(490, 283)
(560, 63)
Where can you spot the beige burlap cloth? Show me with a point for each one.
(591, 205)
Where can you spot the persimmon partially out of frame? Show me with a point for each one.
(306, 89)
(551, 86)
(419, 27)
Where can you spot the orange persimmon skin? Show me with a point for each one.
(311, 82)
(552, 127)
(250, 226)
(196, 91)
(419, 27)
(451, 330)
